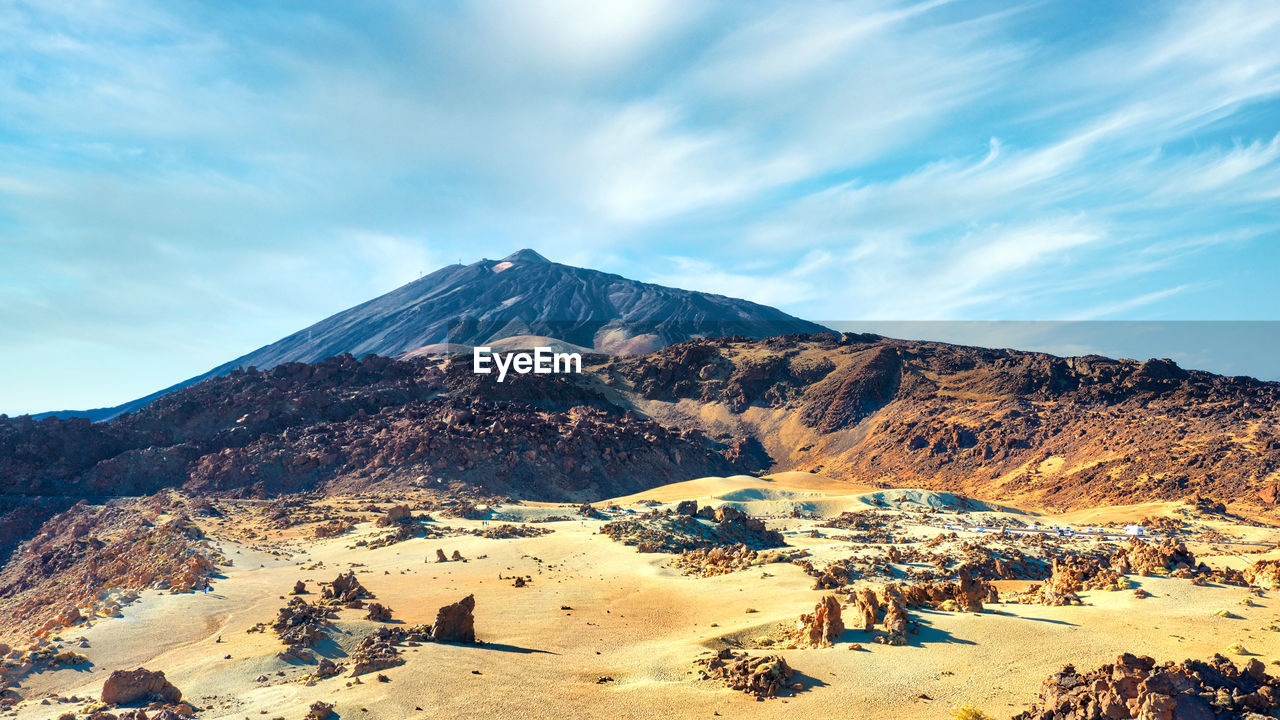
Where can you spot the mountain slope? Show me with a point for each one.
(1001, 424)
(524, 294)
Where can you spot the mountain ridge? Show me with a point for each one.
(523, 293)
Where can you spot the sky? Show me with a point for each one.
(183, 182)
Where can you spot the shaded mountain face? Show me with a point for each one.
(521, 295)
(1000, 424)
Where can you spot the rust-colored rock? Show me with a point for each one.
(895, 621)
(763, 677)
(397, 515)
(1136, 687)
(455, 623)
(1264, 574)
(127, 687)
(346, 590)
(821, 628)
(868, 607)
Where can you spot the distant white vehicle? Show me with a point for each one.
(1134, 530)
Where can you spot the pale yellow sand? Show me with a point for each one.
(633, 619)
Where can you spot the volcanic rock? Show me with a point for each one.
(395, 516)
(455, 623)
(762, 677)
(346, 590)
(378, 613)
(126, 687)
(868, 606)
(1136, 687)
(1264, 574)
(821, 628)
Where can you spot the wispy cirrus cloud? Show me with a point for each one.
(177, 187)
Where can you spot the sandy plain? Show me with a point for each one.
(635, 619)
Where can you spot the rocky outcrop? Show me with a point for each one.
(723, 559)
(675, 532)
(868, 606)
(89, 561)
(455, 623)
(763, 676)
(128, 687)
(821, 628)
(346, 590)
(895, 621)
(1136, 687)
(1264, 574)
(1140, 558)
(397, 515)
(378, 613)
(301, 624)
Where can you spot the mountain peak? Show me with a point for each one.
(526, 255)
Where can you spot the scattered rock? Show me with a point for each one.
(378, 613)
(762, 677)
(1135, 687)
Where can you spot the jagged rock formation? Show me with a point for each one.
(1075, 573)
(763, 676)
(378, 613)
(90, 561)
(346, 590)
(1264, 574)
(1136, 687)
(455, 623)
(686, 529)
(724, 559)
(821, 628)
(868, 606)
(301, 625)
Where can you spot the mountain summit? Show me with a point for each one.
(522, 298)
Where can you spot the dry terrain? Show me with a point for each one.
(573, 624)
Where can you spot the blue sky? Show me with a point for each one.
(183, 182)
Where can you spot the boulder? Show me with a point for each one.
(397, 515)
(126, 687)
(455, 623)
